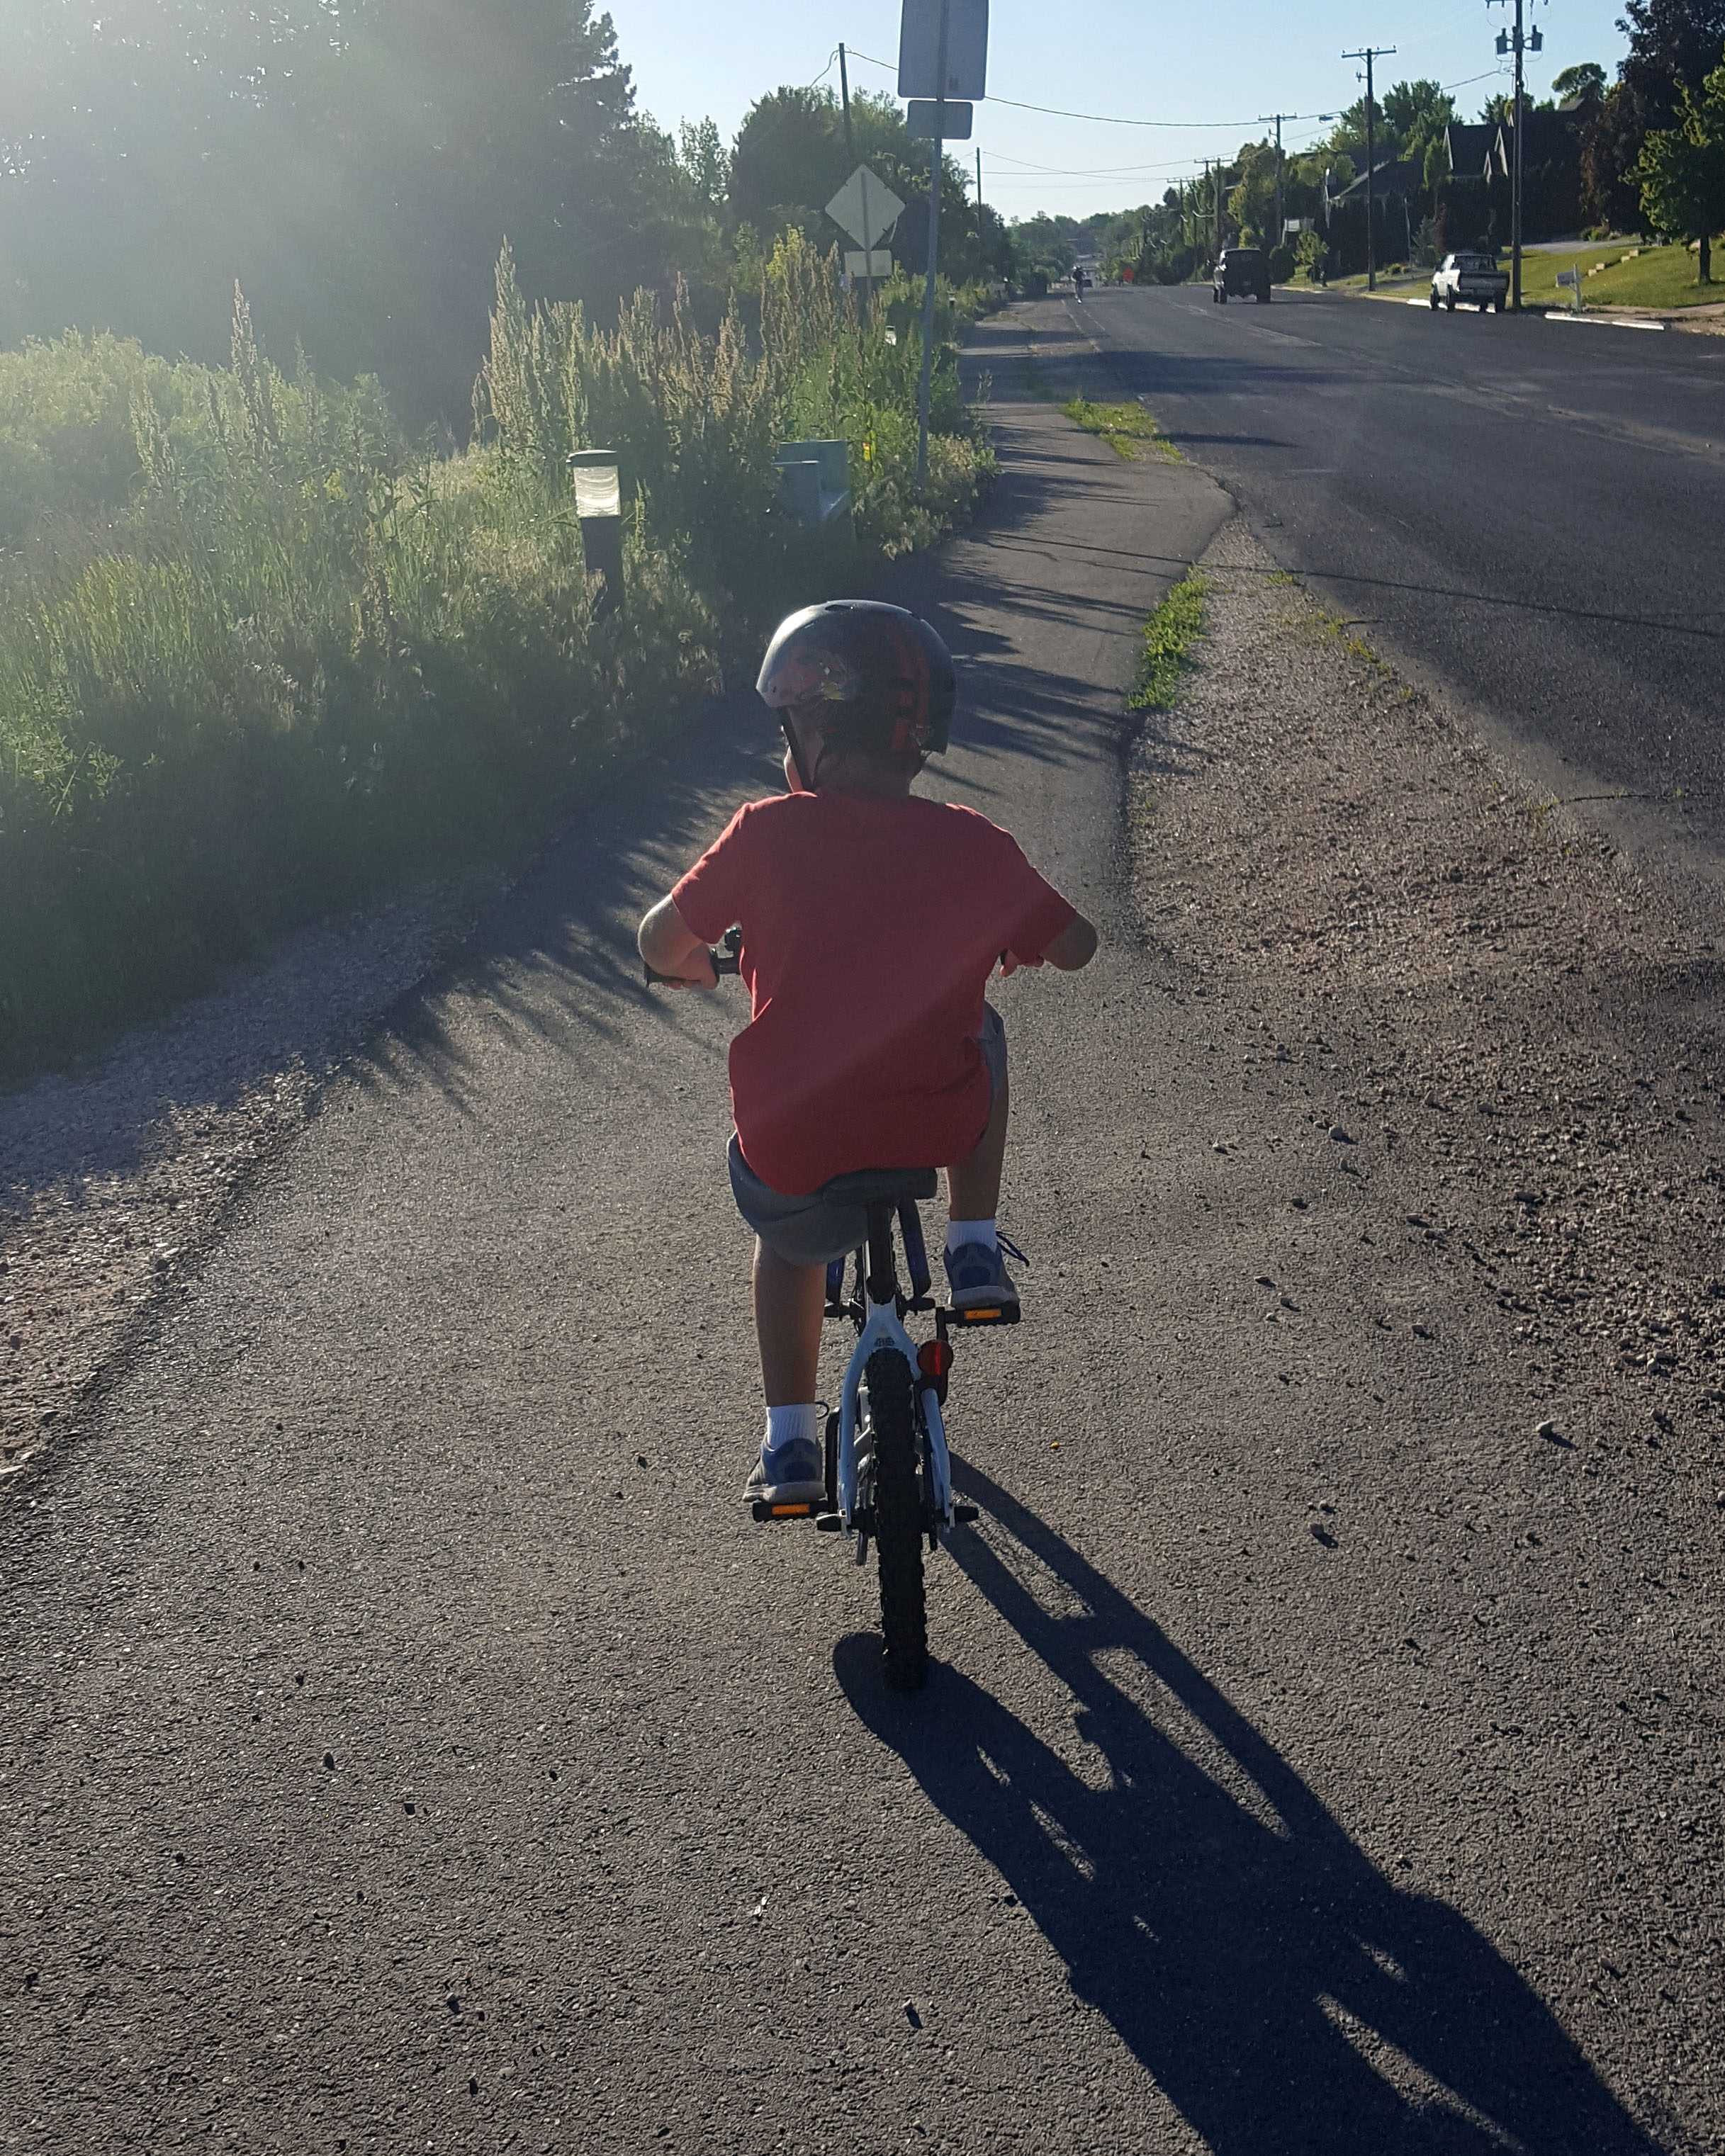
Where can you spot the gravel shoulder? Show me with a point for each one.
(1476, 1143)
(115, 1175)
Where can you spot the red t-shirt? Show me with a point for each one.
(870, 927)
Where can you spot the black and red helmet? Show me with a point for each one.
(864, 675)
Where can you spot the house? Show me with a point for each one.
(1469, 148)
(1551, 171)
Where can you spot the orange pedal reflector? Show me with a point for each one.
(791, 1512)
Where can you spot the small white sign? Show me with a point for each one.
(865, 207)
(942, 120)
(879, 263)
(1570, 277)
(966, 48)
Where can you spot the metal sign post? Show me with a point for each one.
(937, 158)
(943, 55)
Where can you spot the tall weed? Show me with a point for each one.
(257, 652)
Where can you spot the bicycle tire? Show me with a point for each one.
(897, 1519)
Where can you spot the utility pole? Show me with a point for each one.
(1516, 42)
(844, 85)
(981, 250)
(1264, 120)
(1372, 53)
(937, 158)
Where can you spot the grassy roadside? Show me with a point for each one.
(1169, 634)
(1128, 430)
(261, 656)
(1615, 276)
(1654, 277)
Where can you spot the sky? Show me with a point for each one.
(1211, 68)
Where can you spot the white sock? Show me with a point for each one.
(961, 1232)
(784, 1424)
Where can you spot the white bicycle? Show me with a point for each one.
(888, 1476)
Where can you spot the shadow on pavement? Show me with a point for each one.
(556, 961)
(1281, 1992)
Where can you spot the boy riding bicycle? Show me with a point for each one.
(871, 919)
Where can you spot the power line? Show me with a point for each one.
(1059, 112)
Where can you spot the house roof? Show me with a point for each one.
(1390, 175)
(1470, 147)
(1552, 140)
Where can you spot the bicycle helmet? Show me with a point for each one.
(858, 674)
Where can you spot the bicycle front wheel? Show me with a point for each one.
(898, 1519)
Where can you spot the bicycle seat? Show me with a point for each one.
(881, 1186)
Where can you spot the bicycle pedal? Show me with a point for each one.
(764, 1512)
(988, 1315)
(965, 1516)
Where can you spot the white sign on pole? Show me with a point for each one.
(966, 48)
(865, 207)
(877, 263)
(947, 120)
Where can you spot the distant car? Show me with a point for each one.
(1470, 280)
(1240, 271)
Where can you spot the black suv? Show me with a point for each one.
(1240, 270)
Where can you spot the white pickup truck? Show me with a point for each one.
(1470, 280)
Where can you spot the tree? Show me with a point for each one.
(1682, 171)
(789, 160)
(705, 161)
(355, 164)
(1583, 83)
(1673, 45)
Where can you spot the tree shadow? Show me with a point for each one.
(1280, 1989)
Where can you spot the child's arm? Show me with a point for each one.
(1072, 949)
(665, 944)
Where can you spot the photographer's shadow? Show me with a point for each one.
(1282, 1992)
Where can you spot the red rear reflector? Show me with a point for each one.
(933, 1358)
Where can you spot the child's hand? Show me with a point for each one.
(697, 970)
(1010, 963)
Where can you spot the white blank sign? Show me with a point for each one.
(966, 48)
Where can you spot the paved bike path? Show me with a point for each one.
(410, 1745)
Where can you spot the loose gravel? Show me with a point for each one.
(1486, 1000)
(113, 1177)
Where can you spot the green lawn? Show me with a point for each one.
(1658, 277)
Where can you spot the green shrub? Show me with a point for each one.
(1281, 265)
(256, 654)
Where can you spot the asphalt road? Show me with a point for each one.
(409, 1744)
(1531, 513)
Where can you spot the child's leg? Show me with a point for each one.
(788, 1303)
(973, 1186)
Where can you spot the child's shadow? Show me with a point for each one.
(1280, 1991)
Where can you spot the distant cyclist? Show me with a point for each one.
(1078, 282)
(871, 919)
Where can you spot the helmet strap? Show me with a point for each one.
(790, 742)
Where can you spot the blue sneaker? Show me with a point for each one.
(977, 1279)
(794, 1473)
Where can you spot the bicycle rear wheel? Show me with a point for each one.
(898, 1519)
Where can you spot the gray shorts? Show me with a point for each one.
(809, 1231)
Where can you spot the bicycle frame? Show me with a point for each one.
(883, 1327)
